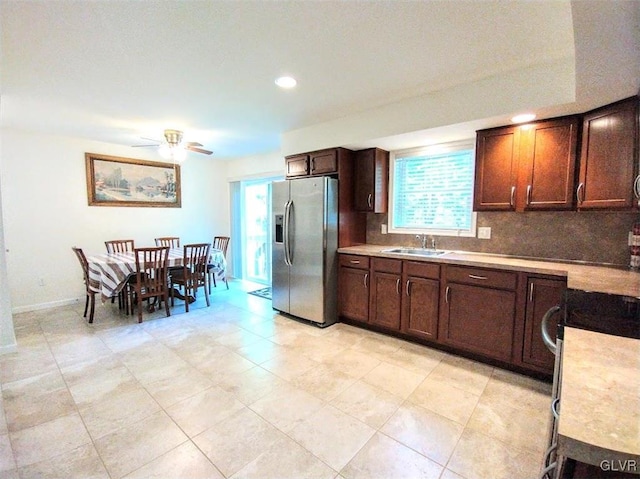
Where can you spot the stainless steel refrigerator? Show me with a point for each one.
(304, 214)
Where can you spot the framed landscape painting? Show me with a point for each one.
(113, 181)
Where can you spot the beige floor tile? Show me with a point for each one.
(478, 456)
(323, 382)
(448, 474)
(125, 338)
(286, 407)
(47, 440)
(98, 380)
(7, 463)
(79, 350)
(35, 400)
(261, 351)
(462, 373)
(369, 404)
(82, 462)
(162, 364)
(286, 460)
(416, 358)
(424, 431)
(378, 345)
(351, 362)
(289, 364)
(185, 461)
(239, 339)
(383, 457)
(516, 390)
(186, 383)
(232, 363)
(131, 447)
(10, 474)
(394, 379)
(332, 435)
(204, 410)
(344, 334)
(116, 411)
(251, 385)
(20, 365)
(236, 441)
(448, 401)
(522, 427)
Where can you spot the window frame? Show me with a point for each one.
(435, 149)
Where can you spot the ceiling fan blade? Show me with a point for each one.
(198, 150)
(143, 146)
(192, 143)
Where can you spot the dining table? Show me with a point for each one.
(109, 272)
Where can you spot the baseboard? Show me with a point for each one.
(37, 307)
(9, 348)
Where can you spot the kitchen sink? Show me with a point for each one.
(415, 251)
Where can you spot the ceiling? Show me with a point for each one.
(115, 71)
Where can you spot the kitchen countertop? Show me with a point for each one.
(600, 398)
(584, 277)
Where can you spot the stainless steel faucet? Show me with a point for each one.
(425, 239)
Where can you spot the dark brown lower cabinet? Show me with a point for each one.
(421, 299)
(353, 288)
(386, 293)
(542, 294)
(479, 316)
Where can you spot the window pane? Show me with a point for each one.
(433, 191)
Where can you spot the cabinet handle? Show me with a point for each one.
(579, 197)
(528, 195)
(531, 288)
(313, 165)
(398, 286)
(366, 279)
(408, 288)
(513, 196)
(636, 187)
(370, 200)
(446, 294)
(475, 276)
(354, 261)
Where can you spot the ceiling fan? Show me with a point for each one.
(173, 144)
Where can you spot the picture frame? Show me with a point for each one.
(115, 181)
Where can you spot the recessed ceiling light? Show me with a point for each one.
(525, 117)
(286, 82)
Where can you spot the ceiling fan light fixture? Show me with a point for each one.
(286, 82)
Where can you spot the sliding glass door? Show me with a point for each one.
(256, 231)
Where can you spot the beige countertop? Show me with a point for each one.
(585, 277)
(599, 398)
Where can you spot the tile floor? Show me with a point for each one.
(236, 390)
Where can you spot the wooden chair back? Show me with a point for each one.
(119, 246)
(170, 241)
(85, 266)
(221, 243)
(196, 259)
(151, 276)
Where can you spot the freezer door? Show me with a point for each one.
(279, 267)
(308, 229)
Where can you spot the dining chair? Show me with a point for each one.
(122, 246)
(170, 241)
(151, 278)
(193, 274)
(90, 291)
(221, 243)
(119, 246)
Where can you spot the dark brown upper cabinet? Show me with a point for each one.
(609, 157)
(371, 180)
(527, 167)
(316, 163)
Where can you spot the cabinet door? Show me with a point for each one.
(371, 179)
(542, 294)
(548, 151)
(385, 299)
(323, 162)
(496, 169)
(479, 319)
(608, 156)
(420, 307)
(353, 294)
(297, 165)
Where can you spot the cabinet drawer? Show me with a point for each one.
(354, 261)
(422, 269)
(387, 265)
(482, 277)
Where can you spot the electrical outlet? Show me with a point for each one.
(484, 232)
(383, 229)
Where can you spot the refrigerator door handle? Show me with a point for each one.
(287, 221)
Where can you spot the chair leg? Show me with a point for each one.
(166, 302)
(226, 282)
(86, 306)
(93, 306)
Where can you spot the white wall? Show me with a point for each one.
(257, 166)
(44, 200)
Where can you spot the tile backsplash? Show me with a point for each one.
(593, 236)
